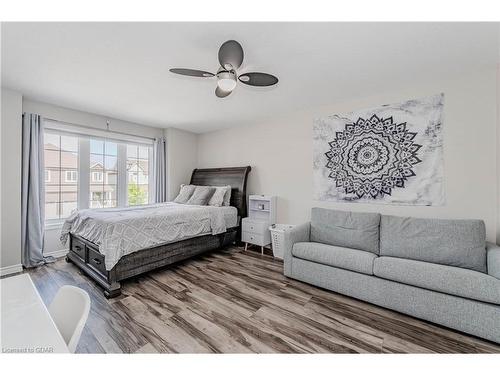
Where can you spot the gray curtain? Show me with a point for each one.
(32, 192)
(160, 169)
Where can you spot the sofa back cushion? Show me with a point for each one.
(356, 230)
(459, 243)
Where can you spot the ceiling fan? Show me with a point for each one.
(230, 59)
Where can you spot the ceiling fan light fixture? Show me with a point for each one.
(226, 81)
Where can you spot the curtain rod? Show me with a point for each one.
(92, 128)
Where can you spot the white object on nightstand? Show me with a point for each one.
(261, 214)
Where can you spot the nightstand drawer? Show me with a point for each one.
(255, 226)
(256, 239)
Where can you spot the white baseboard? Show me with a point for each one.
(11, 269)
(18, 267)
(56, 254)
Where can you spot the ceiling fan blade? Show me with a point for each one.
(192, 72)
(258, 79)
(230, 55)
(221, 93)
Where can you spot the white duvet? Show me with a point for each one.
(121, 231)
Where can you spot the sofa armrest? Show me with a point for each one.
(299, 233)
(493, 259)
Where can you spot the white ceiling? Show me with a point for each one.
(121, 69)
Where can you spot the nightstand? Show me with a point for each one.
(261, 214)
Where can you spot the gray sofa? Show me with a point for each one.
(442, 271)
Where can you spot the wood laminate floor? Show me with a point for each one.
(231, 301)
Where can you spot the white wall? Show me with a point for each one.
(280, 152)
(182, 158)
(11, 133)
(89, 119)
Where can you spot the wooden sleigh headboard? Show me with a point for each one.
(236, 177)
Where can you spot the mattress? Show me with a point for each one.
(121, 231)
(230, 216)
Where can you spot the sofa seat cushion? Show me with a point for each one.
(356, 230)
(335, 256)
(445, 279)
(458, 243)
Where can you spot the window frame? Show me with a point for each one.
(57, 221)
(84, 178)
(103, 183)
(150, 175)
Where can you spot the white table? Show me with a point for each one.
(27, 326)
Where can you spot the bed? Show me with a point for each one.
(86, 254)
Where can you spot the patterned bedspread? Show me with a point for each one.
(121, 231)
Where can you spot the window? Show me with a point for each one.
(61, 158)
(104, 173)
(71, 176)
(138, 174)
(84, 171)
(96, 176)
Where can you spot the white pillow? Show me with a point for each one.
(217, 199)
(185, 193)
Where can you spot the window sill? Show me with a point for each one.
(52, 225)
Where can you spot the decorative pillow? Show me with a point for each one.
(201, 195)
(227, 197)
(217, 199)
(185, 193)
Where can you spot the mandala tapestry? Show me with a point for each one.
(392, 154)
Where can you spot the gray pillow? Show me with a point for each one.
(227, 197)
(356, 230)
(185, 193)
(201, 195)
(217, 199)
(458, 243)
